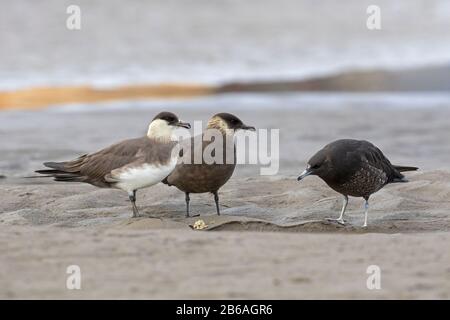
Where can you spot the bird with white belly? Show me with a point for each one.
(128, 165)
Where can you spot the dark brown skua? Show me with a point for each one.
(354, 168)
(200, 176)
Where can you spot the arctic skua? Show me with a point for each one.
(128, 165)
(354, 168)
(201, 176)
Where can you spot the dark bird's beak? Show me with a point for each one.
(304, 174)
(183, 124)
(245, 127)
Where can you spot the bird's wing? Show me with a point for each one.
(194, 152)
(374, 157)
(97, 165)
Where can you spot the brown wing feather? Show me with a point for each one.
(92, 168)
(199, 178)
(377, 159)
(99, 164)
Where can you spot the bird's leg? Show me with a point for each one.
(344, 207)
(188, 199)
(216, 199)
(187, 204)
(132, 197)
(366, 208)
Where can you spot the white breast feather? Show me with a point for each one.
(144, 175)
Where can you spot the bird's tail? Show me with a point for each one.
(165, 181)
(58, 172)
(405, 168)
(400, 177)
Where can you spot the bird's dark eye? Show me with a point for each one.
(170, 119)
(316, 166)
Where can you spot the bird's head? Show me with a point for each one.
(226, 122)
(319, 165)
(163, 126)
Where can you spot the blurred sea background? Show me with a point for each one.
(301, 59)
(213, 41)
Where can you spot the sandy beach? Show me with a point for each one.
(78, 77)
(273, 239)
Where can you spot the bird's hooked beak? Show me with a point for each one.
(245, 127)
(308, 171)
(183, 124)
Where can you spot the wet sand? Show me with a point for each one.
(272, 240)
(177, 264)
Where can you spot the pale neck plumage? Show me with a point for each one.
(161, 131)
(218, 124)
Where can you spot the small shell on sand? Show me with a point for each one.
(199, 225)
